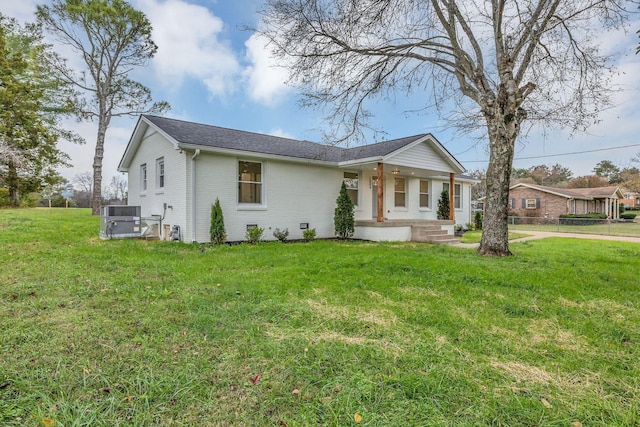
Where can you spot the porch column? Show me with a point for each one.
(452, 197)
(380, 192)
(607, 207)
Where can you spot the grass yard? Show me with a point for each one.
(631, 229)
(474, 236)
(137, 333)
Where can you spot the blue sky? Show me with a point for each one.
(213, 71)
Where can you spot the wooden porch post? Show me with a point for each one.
(452, 198)
(380, 192)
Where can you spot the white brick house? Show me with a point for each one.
(177, 169)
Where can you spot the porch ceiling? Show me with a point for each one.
(403, 170)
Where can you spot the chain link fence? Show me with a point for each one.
(607, 227)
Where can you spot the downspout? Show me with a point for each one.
(193, 194)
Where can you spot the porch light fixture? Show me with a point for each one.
(395, 171)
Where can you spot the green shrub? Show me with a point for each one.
(343, 219)
(254, 235)
(443, 205)
(477, 220)
(5, 200)
(582, 219)
(586, 216)
(309, 234)
(217, 230)
(29, 200)
(281, 234)
(629, 215)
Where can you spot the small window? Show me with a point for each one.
(143, 177)
(351, 182)
(424, 193)
(531, 204)
(249, 182)
(160, 172)
(400, 194)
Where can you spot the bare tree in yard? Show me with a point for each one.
(498, 63)
(112, 38)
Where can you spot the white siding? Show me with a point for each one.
(293, 194)
(153, 147)
(421, 156)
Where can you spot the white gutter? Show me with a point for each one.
(193, 194)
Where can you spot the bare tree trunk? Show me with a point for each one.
(12, 184)
(495, 233)
(96, 197)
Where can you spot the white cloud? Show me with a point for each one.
(266, 81)
(22, 10)
(189, 45)
(281, 133)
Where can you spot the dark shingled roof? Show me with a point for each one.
(214, 136)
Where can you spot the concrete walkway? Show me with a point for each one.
(535, 235)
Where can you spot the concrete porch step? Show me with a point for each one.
(432, 234)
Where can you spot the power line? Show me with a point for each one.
(557, 155)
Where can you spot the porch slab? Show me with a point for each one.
(403, 230)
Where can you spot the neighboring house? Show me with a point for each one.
(630, 199)
(177, 169)
(538, 201)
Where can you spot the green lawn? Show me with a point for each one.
(137, 333)
(475, 236)
(631, 229)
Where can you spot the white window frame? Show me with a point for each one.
(531, 204)
(143, 178)
(161, 179)
(348, 181)
(457, 197)
(422, 193)
(395, 192)
(261, 183)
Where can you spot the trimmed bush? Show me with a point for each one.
(309, 234)
(254, 235)
(582, 219)
(343, 219)
(587, 216)
(443, 205)
(477, 220)
(281, 234)
(629, 215)
(217, 231)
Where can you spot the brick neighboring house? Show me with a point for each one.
(631, 199)
(532, 200)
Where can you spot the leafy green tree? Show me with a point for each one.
(343, 218)
(112, 38)
(607, 169)
(217, 231)
(32, 101)
(444, 208)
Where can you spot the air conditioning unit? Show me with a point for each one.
(118, 222)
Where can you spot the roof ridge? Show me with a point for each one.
(235, 130)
